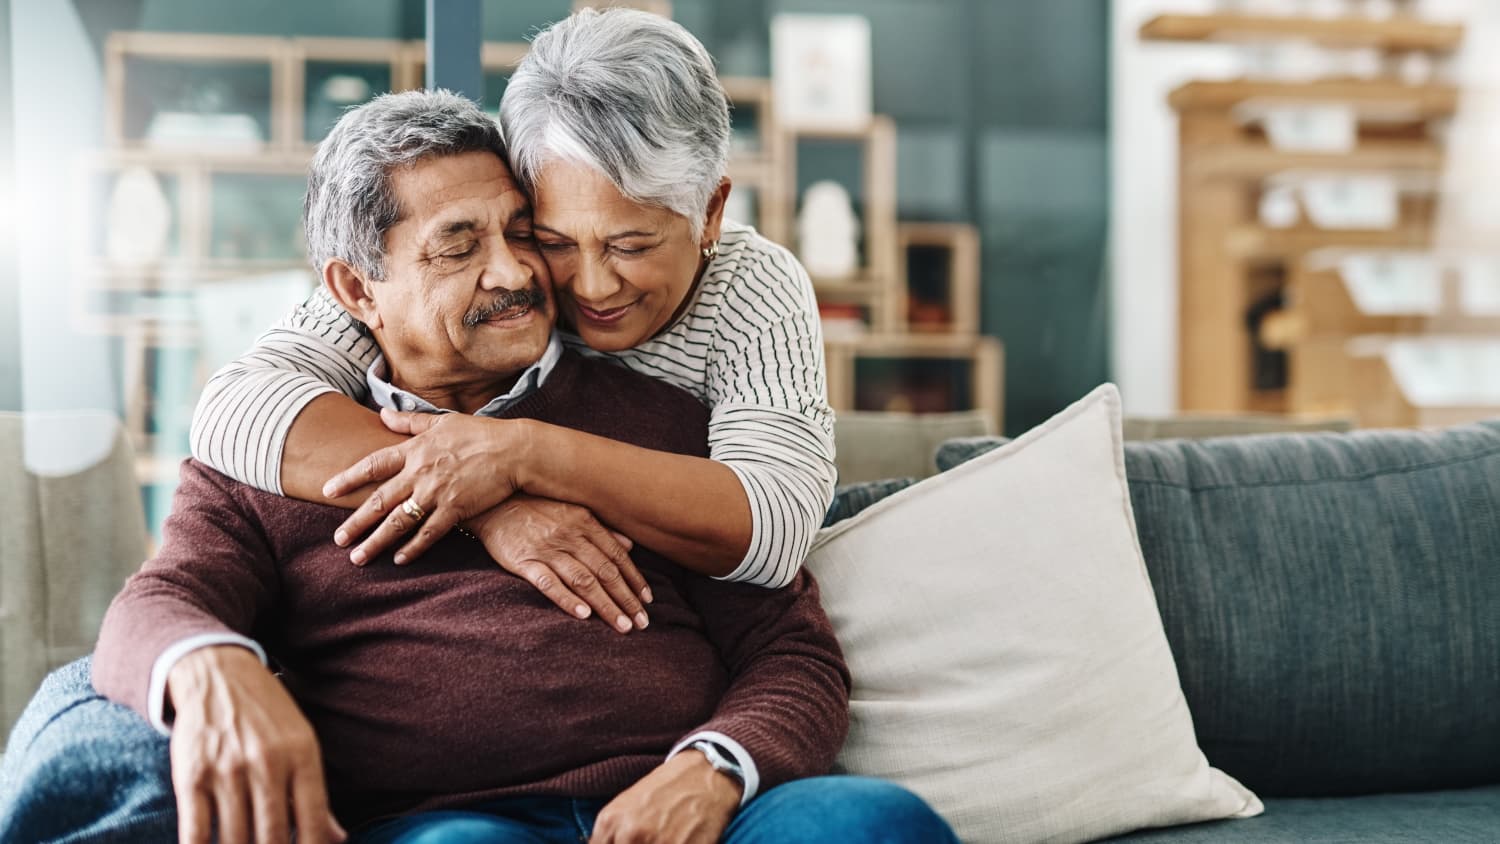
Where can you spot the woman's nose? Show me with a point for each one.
(594, 282)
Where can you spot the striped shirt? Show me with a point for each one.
(749, 345)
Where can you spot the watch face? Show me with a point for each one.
(720, 759)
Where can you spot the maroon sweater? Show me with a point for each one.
(450, 680)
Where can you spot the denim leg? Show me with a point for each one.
(80, 768)
(517, 820)
(835, 809)
(450, 827)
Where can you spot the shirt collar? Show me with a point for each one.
(386, 394)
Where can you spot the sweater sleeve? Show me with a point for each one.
(215, 575)
(241, 421)
(788, 700)
(771, 423)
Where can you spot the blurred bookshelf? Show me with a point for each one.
(1315, 172)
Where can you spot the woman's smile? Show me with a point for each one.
(606, 316)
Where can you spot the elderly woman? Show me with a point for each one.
(618, 130)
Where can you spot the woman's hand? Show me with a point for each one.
(570, 557)
(455, 467)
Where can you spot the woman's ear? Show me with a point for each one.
(351, 290)
(713, 223)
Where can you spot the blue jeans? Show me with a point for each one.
(79, 768)
(822, 809)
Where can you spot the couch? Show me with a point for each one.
(1332, 602)
(72, 529)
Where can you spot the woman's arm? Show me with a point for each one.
(691, 510)
(284, 416)
(771, 422)
(332, 432)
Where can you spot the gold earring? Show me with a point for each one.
(711, 251)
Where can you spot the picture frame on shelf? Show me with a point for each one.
(655, 7)
(820, 68)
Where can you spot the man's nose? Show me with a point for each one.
(504, 270)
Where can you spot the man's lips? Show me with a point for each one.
(509, 315)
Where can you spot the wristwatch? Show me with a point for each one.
(721, 759)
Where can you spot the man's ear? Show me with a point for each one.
(713, 224)
(351, 290)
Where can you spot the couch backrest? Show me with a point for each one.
(71, 531)
(1333, 602)
(872, 446)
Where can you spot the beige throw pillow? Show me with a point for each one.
(1009, 662)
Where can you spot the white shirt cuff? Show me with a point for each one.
(736, 751)
(156, 692)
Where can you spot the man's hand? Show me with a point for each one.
(454, 467)
(565, 552)
(685, 801)
(241, 749)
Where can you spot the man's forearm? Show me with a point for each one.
(331, 434)
(692, 510)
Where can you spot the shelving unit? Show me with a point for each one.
(1338, 299)
(261, 122)
(1388, 381)
(1234, 266)
(1400, 33)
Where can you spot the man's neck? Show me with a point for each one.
(461, 397)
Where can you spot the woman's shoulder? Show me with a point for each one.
(760, 280)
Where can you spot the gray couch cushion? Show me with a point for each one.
(849, 499)
(1452, 817)
(1333, 602)
(874, 446)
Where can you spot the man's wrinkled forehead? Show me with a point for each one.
(506, 205)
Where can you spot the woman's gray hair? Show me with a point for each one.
(630, 94)
(350, 204)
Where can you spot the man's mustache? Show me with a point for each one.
(529, 297)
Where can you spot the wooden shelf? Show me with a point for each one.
(986, 354)
(1254, 162)
(1396, 34)
(1419, 101)
(1256, 243)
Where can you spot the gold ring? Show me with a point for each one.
(411, 508)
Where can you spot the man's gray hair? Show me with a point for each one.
(350, 204)
(630, 94)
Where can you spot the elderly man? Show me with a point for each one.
(449, 700)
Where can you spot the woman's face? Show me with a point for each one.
(620, 269)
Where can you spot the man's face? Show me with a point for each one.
(467, 301)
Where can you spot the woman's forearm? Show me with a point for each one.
(692, 510)
(331, 434)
